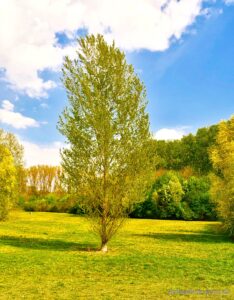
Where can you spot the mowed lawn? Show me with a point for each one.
(51, 256)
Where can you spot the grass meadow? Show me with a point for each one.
(52, 256)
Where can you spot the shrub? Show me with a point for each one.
(168, 192)
(76, 209)
(172, 197)
(50, 203)
(146, 210)
(163, 200)
(198, 200)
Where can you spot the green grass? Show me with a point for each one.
(50, 256)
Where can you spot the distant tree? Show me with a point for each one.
(107, 164)
(222, 156)
(195, 149)
(167, 191)
(169, 154)
(163, 200)
(205, 138)
(7, 181)
(191, 151)
(10, 141)
(175, 196)
(197, 200)
(43, 179)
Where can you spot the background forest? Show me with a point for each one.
(184, 179)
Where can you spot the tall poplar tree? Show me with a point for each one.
(107, 163)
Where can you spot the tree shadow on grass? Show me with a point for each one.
(193, 237)
(212, 235)
(213, 229)
(46, 244)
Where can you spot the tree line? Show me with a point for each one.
(189, 174)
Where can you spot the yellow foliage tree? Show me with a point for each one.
(222, 156)
(8, 181)
(10, 141)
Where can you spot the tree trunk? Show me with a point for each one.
(104, 238)
(104, 248)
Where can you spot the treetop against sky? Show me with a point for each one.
(182, 51)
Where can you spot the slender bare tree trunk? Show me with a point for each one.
(104, 239)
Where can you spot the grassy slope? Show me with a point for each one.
(44, 256)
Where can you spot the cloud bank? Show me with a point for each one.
(15, 119)
(29, 44)
(36, 154)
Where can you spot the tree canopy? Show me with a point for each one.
(10, 141)
(191, 151)
(222, 156)
(7, 181)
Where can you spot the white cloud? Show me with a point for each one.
(229, 1)
(36, 154)
(17, 120)
(169, 134)
(7, 105)
(28, 43)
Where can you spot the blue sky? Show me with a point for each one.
(185, 58)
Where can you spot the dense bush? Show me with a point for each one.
(50, 203)
(163, 200)
(173, 197)
(198, 200)
(167, 192)
(146, 209)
